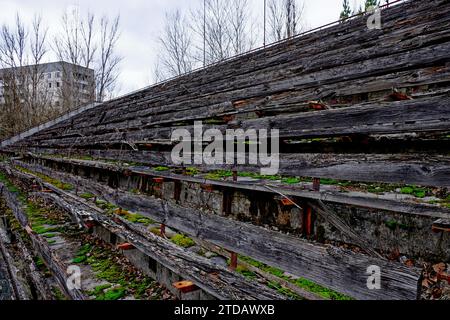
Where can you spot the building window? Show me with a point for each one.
(58, 74)
(49, 84)
(49, 76)
(58, 84)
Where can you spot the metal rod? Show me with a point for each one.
(204, 33)
(265, 21)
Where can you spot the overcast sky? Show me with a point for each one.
(141, 23)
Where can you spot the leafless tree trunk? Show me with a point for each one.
(176, 41)
(108, 63)
(38, 99)
(241, 26)
(284, 19)
(25, 101)
(89, 43)
(12, 57)
(213, 26)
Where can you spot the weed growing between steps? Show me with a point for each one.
(122, 279)
(300, 282)
(182, 241)
(59, 184)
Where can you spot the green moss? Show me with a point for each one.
(300, 282)
(161, 168)
(59, 184)
(219, 174)
(415, 191)
(40, 229)
(182, 241)
(156, 231)
(79, 260)
(113, 294)
(137, 218)
(246, 273)
(192, 171)
(87, 196)
(99, 290)
(291, 180)
(10, 186)
(315, 288)
(284, 291)
(108, 207)
(58, 295)
(81, 255)
(49, 235)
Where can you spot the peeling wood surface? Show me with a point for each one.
(361, 199)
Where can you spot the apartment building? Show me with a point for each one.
(58, 82)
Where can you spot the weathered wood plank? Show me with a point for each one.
(416, 169)
(421, 115)
(360, 199)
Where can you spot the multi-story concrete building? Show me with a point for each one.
(59, 82)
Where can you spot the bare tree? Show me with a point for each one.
(37, 97)
(25, 102)
(91, 43)
(176, 42)
(107, 71)
(13, 78)
(158, 74)
(284, 19)
(70, 47)
(212, 24)
(87, 29)
(276, 20)
(241, 27)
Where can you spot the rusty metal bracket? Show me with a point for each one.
(233, 261)
(441, 225)
(185, 286)
(316, 184)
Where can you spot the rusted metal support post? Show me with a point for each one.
(316, 184)
(235, 174)
(307, 221)
(162, 230)
(233, 261)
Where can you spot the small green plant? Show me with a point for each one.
(113, 294)
(415, 191)
(161, 168)
(87, 196)
(291, 180)
(284, 291)
(246, 273)
(182, 241)
(191, 171)
(156, 231)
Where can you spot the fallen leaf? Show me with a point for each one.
(440, 267)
